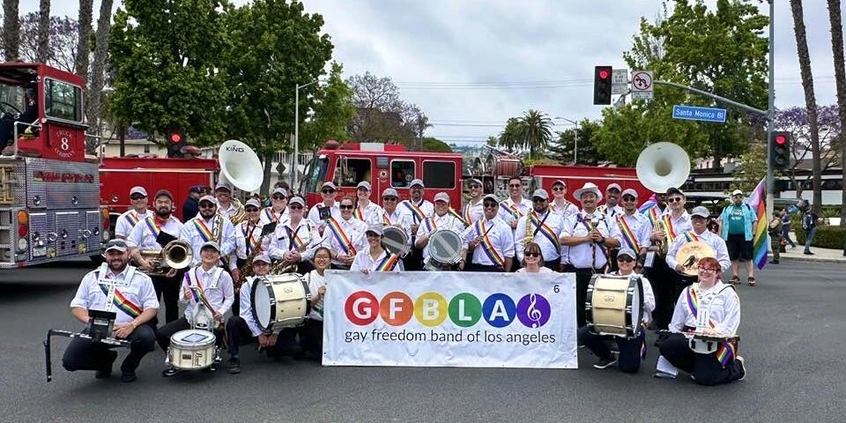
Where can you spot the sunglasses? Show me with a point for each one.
(490, 205)
(558, 188)
(515, 185)
(296, 207)
(674, 199)
(625, 259)
(277, 197)
(475, 186)
(628, 198)
(251, 209)
(346, 207)
(390, 198)
(528, 254)
(207, 206)
(538, 200)
(137, 197)
(328, 191)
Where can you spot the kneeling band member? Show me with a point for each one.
(204, 284)
(376, 258)
(117, 287)
(311, 336)
(243, 329)
(712, 308)
(632, 350)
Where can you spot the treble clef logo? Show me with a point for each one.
(534, 314)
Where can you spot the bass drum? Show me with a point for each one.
(444, 250)
(395, 241)
(614, 305)
(280, 301)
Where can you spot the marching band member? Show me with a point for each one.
(376, 258)
(206, 283)
(494, 239)
(634, 226)
(543, 227)
(611, 208)
(243, 329)
(710, 307)
(443, 218)
(126, 221)
(700, 232)
(223, 195)
(632, 350)
(559, 204)
(135, 304)
(418, 208)
(533, 260)
(295, 240)
(278, 210)
(366, 210)
(210, 225)
(248, 240)
(311, 336)
(676, 217)
(344, 236)
(393, 215)
(512, 209)
(152, 234)
(587, 234)
(473, 211)
(327, 192)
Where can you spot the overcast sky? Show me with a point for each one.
(470, 65)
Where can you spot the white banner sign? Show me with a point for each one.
(455, 319)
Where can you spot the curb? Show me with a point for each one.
(811, 259)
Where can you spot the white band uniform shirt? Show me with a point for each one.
(267, 215)
(435, 222)
(127, 221)
(216, 285)
(719, 305)
(540, 270)
(143, 238)
(226, 212)
(640, 227)
(425, 206)
(226, 238)
(715, 241)
(399, 218)
(611, 211)
(551, 221)
(245, 231)
(246, 307)
(314, 212)
(282, 239)
(353, 229)
(370, 214)
(565, 210)
(473, 212)
(679, 224)
(363, 260)
(315, 281)
(133, 285)
(501, 239)
(582, 256)
(509, 211)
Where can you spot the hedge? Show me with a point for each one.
(826, 237)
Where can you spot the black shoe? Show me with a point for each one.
(773, 261)
(103, 374)
(808, 253)
(233, 366)
(128, 377)
(742, 367)
(210, 369)
(171, 371)
(605, 363)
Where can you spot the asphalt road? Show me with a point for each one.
(792, 330)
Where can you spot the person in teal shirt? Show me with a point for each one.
(736, 223)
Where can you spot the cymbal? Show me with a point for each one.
(689, 255)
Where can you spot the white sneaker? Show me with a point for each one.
(742, 362)
(663, 375)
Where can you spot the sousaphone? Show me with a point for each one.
(662, 166)
(240, 166)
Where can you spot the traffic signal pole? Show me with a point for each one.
(771, 117)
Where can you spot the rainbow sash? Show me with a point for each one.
(132, 218)
(544, 229)
(388, 263)
(671, 230)
(628, 235)
(202, 229)
(430, 224)
(691, 237)
(271, 216)
(385, 219)
(727, 350)
(458, 216)
(416, 211)
(358, 214)
(512, 209)
(487, 245)
(122, 303)
(151, 225)
(251, 241)
(468, 218)
(295, 240)
(653, 215)
(341, 236)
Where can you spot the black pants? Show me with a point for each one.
(84, 354)
(682, 282)
(705, 368)
(238, 333)
(630, 348)
(311, 337)
(612, 260)
(414, 260)
(552, 264)
(164, 333)
(663, 280)
(167, 291)
(473, 267)
(583, 277)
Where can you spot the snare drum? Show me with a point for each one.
(280, 301)
(708, 343)
(444, 250)
(191, 349)
(614, 305)
(396, 241)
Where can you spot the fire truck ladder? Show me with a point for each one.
(7, 181)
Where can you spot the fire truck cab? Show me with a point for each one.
(384, 166)
(49, 191)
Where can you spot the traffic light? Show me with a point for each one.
(602, 85)
(780, 150)
(175, 144)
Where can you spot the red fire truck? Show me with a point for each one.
(384, 166)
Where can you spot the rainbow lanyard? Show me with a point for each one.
(628, 234)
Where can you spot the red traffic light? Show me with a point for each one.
(175, 137)
(780, 139)
(604, 74)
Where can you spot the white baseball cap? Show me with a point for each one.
(138, 190)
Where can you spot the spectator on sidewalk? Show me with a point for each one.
(775, 229)
(809, 224)
(785, 227)
(736, 223)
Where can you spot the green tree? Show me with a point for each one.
(535, 129)
(753, 168)
(435, 145)
(263, 69)
(585, 138)
(333, 109)
(168, 57)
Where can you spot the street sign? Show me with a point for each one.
(642, 87)
(619, 81)
(704, 114)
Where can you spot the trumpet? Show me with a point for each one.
(177, 254)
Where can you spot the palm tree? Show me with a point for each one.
(840, 78)
(810, 99)
(43, 31)
(11, 30)
(83, 49)
(510, 137)
(535, 131)
(98, 68)
(492, 141)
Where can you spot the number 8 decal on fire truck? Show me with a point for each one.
(65, 144)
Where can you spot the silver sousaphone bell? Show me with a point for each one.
(662, 166)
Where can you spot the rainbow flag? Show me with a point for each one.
(650, 203)
(760, 237)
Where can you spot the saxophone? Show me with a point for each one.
(529, 235)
